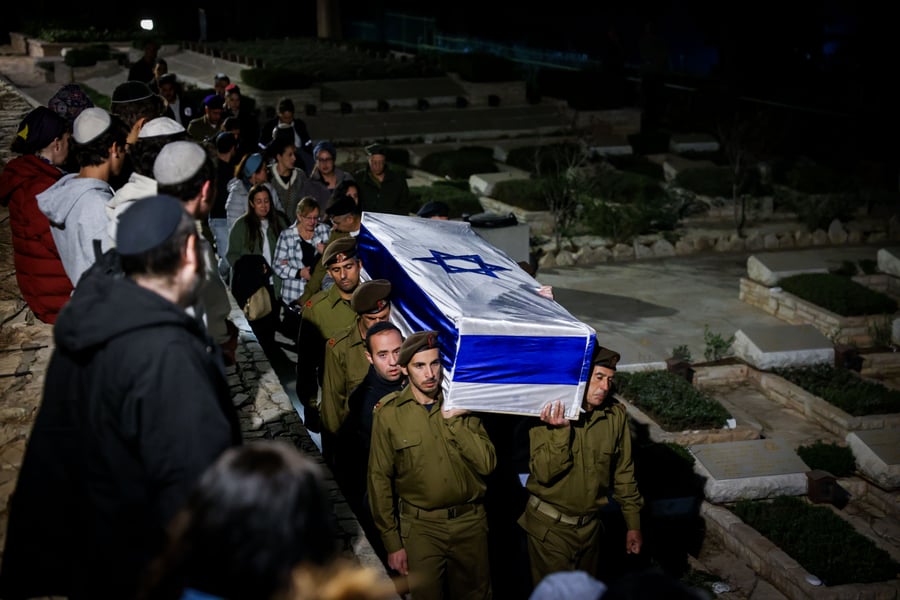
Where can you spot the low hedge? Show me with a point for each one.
(838, 294)
(639, 165)
(547, 159)
(461, 163)
(844, 389)
(89, 55)
(822, 542)
(671, 401)
(527, 194)
(837, 460)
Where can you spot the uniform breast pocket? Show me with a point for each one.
(600, 459)
(406, 447)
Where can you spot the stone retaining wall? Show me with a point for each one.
(855, 331)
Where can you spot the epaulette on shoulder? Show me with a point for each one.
(315, 298)
(386, 400)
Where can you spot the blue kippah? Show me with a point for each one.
(327, 146)
(147, 224)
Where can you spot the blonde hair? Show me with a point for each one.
(341, 580)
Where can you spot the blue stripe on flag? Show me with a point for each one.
(499, 359)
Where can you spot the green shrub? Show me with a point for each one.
(461, 202)
(837, 460)
(844, 389)
(62, 34)
(88, 55)
(671, 401)
(822, 542)
(706, 181)
(460, 164)
(527, 194)
(838, 294)
(627, 188)
(628, 205)
(547, 159)
(717, 347)
(818, 211)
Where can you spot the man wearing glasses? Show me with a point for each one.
(576, 469)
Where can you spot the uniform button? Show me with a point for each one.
(209, 349)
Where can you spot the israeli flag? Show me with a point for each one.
(506, 349)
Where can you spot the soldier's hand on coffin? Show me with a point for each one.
(546, 291)
(397, 561)
(453, 412)
(554, 413)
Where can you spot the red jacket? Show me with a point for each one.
(39, 270)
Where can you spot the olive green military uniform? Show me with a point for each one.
(573, 470)
(434, 469)
(319, 271)
(346, 366)
(323, 315)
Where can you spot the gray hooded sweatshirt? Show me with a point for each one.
(76, 208)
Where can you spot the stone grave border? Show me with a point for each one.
(854, 331)
(777, 567)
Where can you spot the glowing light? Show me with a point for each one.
(147, 24)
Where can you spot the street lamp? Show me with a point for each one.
(147, 24)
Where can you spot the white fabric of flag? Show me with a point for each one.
(505, 348)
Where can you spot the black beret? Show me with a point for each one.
(168, 78)
(435, 208)
(415, 343)
(225, 141)
(604, 357)
(376, 149)
(339, 250)
(147, 224)
(340, 204)
(371, 296)
(132, 91)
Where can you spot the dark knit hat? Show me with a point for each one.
(225, 141)
(131, 91)
(604, 357)
(371, 296)
(415, 343)
(147, 224)
(39, 127)
(339, 250)
(374, 149)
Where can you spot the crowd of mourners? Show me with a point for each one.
(131, 226)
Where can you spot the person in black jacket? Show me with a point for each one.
(285, 124)
(136, 406)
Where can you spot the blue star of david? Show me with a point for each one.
(441, 258)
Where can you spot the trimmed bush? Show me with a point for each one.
(460, 164)
(816, 179)
(639, 165)
(671, 401)
(706, 181)
(838, 294)
(88, 55)
(527, 194)
(844, 389)
(822, 542)
(837, 460)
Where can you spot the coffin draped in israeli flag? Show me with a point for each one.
(506, 349)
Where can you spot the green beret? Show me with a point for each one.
(371, 296)
(339, 250)
(604, 357)
(415, 343)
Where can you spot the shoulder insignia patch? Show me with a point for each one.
(331, 342)
(377, 405)
(308, 303)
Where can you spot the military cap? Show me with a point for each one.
(339, 250)
(340, 204)
(147, 224)
(371, 296)
(604, 357)
(374, 149)
(415, 343)
(90, 124)
(131, 91)
(214, 102)
(178, 161)
(435, 208)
